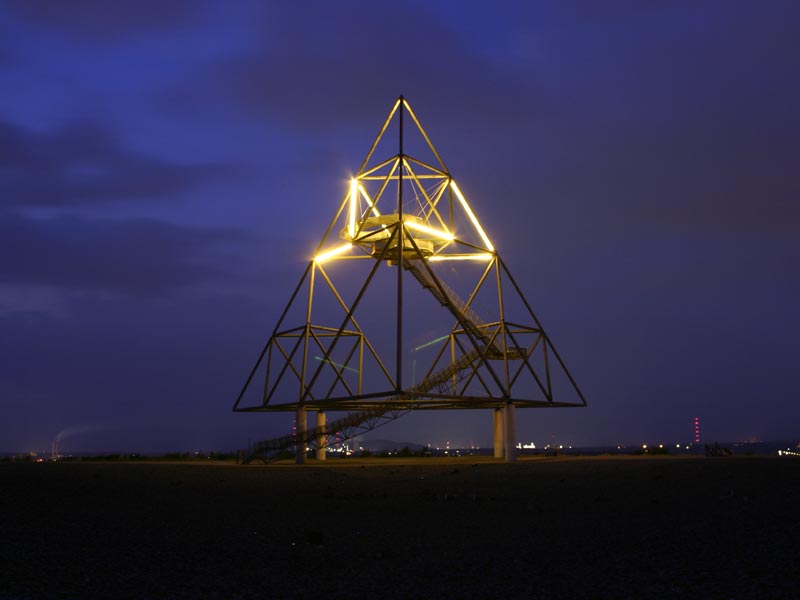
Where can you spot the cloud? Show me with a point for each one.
(84, 163)
(139, 257)
(102, 20)
(315, 65)
(32, 299)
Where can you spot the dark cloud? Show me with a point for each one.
(634, 162)
(695, 135)
(135, 257)
(121, 362)
(318, 64)
(104, 20)
(84, 163)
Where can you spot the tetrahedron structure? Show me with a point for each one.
(406, 305)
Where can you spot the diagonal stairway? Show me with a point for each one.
(468, 318)
(357, 423)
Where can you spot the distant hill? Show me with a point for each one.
(388, 445)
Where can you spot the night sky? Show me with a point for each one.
(167, 169)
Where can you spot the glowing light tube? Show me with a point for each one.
(351, 223)
(472, 217)
(442, 235)
(333, 252)
(443, 257)
(369, 200)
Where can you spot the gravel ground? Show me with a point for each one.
(619, 527)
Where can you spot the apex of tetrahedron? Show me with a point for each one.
(408, 186)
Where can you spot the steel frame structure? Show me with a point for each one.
(478, 364)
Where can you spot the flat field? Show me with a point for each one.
(619, 527)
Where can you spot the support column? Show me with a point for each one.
(510, 433)
(498, 433)
(321, 438)
(302, 426)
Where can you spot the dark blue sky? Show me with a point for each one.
(167, 168)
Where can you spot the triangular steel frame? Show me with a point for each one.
(478, 365)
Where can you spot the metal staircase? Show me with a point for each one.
(357, 423)
(468, 318)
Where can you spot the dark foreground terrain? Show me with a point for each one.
(424, 528)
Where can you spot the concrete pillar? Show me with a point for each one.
(321, 438)
(498, 433)
(510, 433)
(302, 426)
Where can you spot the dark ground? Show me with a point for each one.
(424, 528)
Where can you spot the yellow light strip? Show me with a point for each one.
(382, 177)
(472, 217)
(369, 200)
(442, 235)
(333, 252)
(351, 223)
(443, 257)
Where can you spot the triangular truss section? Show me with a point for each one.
(359, 334)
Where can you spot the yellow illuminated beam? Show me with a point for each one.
(380, 191)
(380, 177)
(369, 200)
(427, 166)
(332, 252)
(424, 134)
(443, 257)
(436, 233)
(385, 181)
(380, 135)
(472, 216)
(351, 223)
(376, 167)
